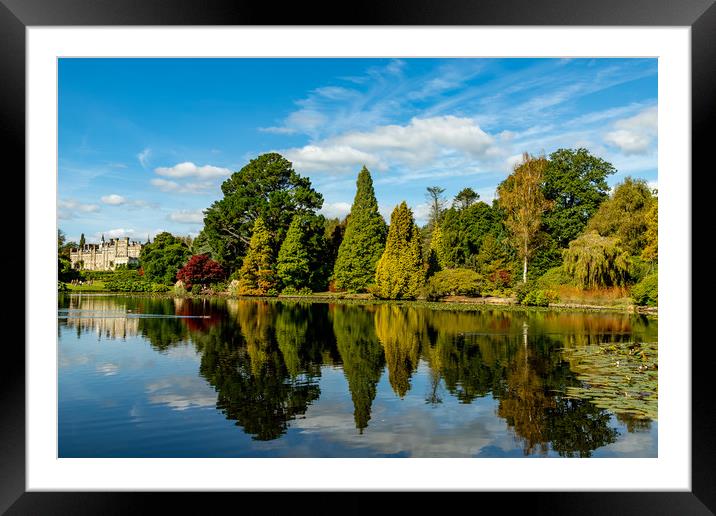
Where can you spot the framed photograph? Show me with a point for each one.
(416, 252)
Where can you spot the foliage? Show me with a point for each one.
(523, 200)
(651, 247)
(266, 188)
(364, 239)
(400, 273)
(540, 297)
(180, 289)
(646, 292)
(463, 231)
(292, 291)
(454, 282)
(596, 261)
(301, 260)
(436, 202)
(465, 198)
(575, 182)
(200, 270)
(554, 277)
(162, 259)
(624, 215)
(335, 230)
(256, 276)
(196, 289)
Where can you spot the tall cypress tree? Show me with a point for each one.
(293, 266)
(400, 273)
(256, 276)
(82, 240)
(364, 239)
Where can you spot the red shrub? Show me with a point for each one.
(201, 270)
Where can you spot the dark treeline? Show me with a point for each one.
(554, 223)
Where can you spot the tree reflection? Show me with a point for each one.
(400, 330)
(248, 370)
(361, 354)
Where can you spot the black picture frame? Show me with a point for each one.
(700, 15)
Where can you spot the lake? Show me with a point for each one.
(216, 377)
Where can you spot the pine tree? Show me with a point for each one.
(400, 273)
(82, 240)
(364, 239)
(256, 276)
(293, 266)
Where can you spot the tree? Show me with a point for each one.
(293, 264)
(162, 259)
(596, 261)
(400, 273)
(651, 249)
(522, 198)
(267, 187)
(201, 270)
(82, 240)
(335, 230)
(465, 198)
(575, 182)
(624, 215)
(437, 203)
(256, 276)
(364, 239)
(462, 232)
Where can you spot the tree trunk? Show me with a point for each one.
(524, 271)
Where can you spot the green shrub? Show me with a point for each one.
(454, 282)
(646, 292)
(530, 294)
(291, 291)
(62, 287)
(554, 277)
(196, 289)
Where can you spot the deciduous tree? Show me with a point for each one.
(523, 200)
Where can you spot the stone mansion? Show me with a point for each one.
(106, 256)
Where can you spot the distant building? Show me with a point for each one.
(106, 256)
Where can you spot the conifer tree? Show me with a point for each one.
(364, 239)
(293, 265)
(400, 273)
(82, 240)
(256, 276)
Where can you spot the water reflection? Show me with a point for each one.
(265, 359)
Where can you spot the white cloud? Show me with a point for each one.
(334, 157)
(423, 136)
(70, 208)
(189, 169)
(114, 199)
(418, 142)
(115, 233)
(336, 209)
(166, 185)
(187, 216)
(635, 135)
(143, 157)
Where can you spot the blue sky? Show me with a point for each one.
(144, 144)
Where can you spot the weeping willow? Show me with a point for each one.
(596, 261)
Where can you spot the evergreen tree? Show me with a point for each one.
(256, 276)
(293, 266)
(364, 239)
(82, 240)
(400, 273)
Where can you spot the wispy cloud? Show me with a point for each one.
(70, 208)
(143, 157)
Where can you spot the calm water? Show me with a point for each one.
(143, 377)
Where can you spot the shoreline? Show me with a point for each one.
(456, 303)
